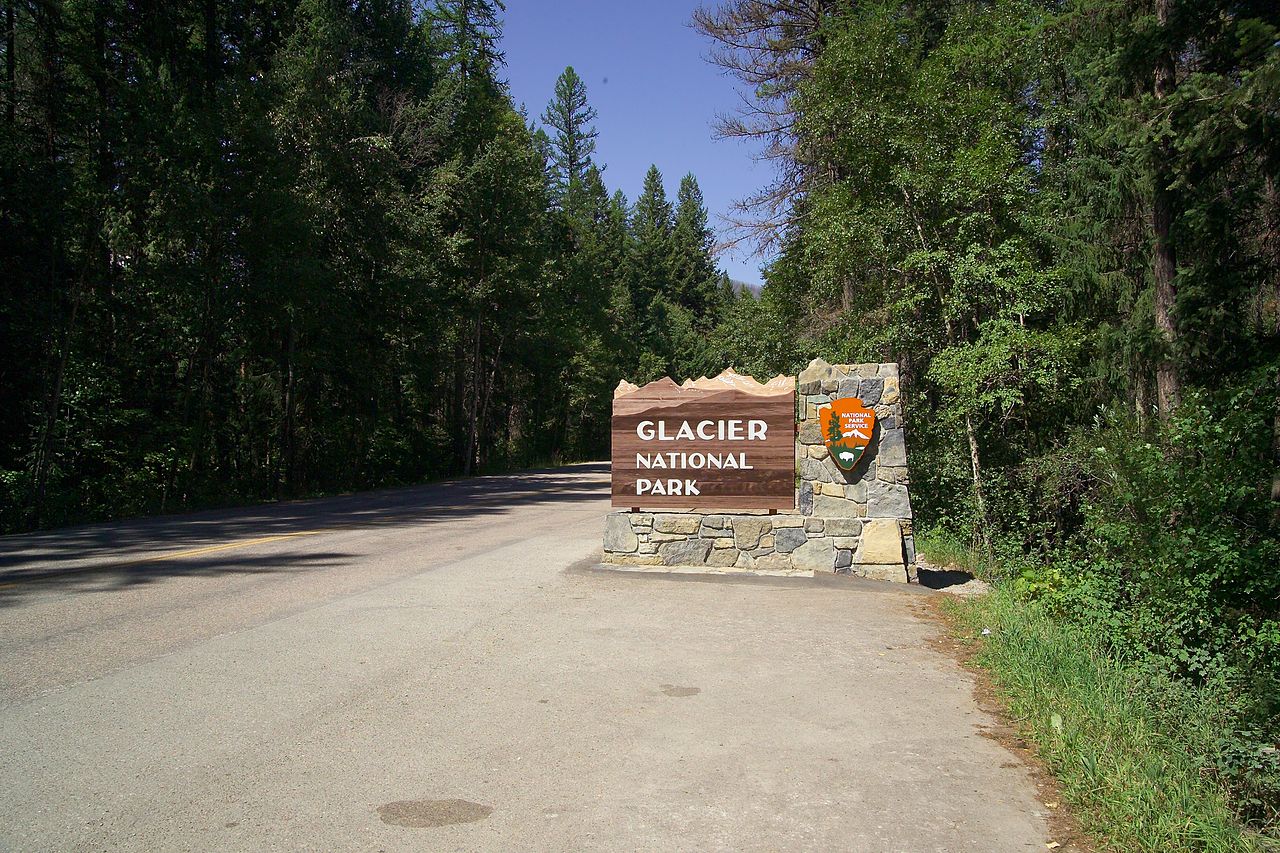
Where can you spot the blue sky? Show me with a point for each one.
(655, 94)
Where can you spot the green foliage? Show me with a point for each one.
(1127, 741)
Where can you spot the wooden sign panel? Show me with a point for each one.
(714, 444)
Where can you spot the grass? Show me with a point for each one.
(1123, 741)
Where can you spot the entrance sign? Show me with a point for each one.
(846, 426)
(722, 443)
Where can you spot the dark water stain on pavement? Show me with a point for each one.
(672, 690)
(429, 813)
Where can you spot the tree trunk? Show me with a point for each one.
(10, 62)
(1164, 262)
(984, 537)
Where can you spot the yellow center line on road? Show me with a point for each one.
(195, 552)
(171, 555)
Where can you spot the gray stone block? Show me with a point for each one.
(806, 499)
(844, 559)
(828, 507)
(892, 448)
(787, 539)
(887, 500)
(816, 555)
(844, 527)
(618, 535)
(870, 390)
(690, 552)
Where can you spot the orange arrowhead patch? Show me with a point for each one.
(846, 428)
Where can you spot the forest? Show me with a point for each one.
(258, 250)
(267, 250)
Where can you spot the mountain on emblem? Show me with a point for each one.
(846, 428)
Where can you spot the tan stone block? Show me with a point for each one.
(895, 572)
(722, 558)
(748, 530)
(788, 521)
(890, 394)
(881, 542)
(773, 562)
(720, 544)
(677, 523)
(817, 451)
(849, 543)
(634, 559)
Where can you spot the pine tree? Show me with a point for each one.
(570, 116)
(694, 280)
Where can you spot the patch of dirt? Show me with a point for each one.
(1064, 827)
(422, 814)
(672, 690)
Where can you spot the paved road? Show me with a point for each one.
(440, 668)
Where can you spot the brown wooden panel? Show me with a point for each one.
(769, 483)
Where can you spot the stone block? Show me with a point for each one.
(619, 536)
(887, 500)
(889, 368)
(641, 519)
(813, 525)
(690, 552)
(825, 507)
(805, 498)
(814, 469)
(816, 451)
(817, 370)
(909, 548)
(890, 394)
(816, 555)
(892, 448)
(788, 539)
(881, 541)
(748, 530)
(843, 527)
(722, 558)
(870, 389)
(829, 386)
(844, 559)
(866, 368)
(720, 544)
(895, 572)
(647, 548)
(773, 562)
(634, 559)
(848, 543)
(668, 537)
(810, 433)
(766, 541)
(848, 387)
(855, 491)
(717, 521)
(780, 521)
(677, 523)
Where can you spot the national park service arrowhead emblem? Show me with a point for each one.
(846, 428)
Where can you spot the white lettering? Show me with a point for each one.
(643, 486)
(644, 430)
(756, 429)
(691, 487)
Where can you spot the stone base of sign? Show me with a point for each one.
(857, 522)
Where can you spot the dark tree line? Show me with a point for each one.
(265, 249)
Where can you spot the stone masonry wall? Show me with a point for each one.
(857, 522)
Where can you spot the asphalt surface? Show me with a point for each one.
(442, 668)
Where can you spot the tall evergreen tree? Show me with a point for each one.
(570, 116)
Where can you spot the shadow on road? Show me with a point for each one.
(126, 552)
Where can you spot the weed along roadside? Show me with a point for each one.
(1129, 746)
